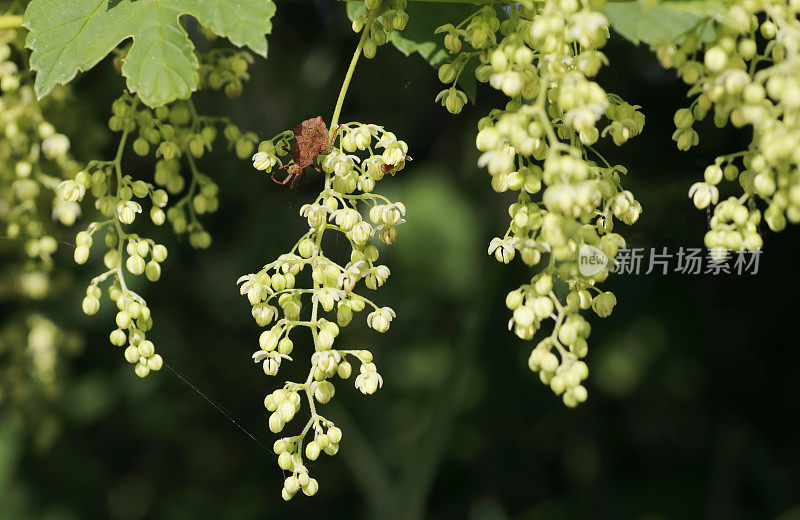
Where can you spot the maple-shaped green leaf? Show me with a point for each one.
(652, 21)
(68, 36)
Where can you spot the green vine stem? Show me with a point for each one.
(349, 76)
(10, 21)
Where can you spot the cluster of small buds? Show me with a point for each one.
(479, 31)
(534, 303)
(243, 144)
(225, 69)
(543, 56)
(174, 132)
(119, 207)
(749, 74)
(387, 15)
(133, 319)
(290, 449)
(276, 293)
(34, 158)
(734, 227)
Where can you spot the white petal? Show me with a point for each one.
(260, 355)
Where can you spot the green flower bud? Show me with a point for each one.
(197, 146)
(285, 461)
(334, 435)
(544, 284)
(157, 216)
(324, 392)
(135, 264)
(604, 303)
(81, 254)
(117, 337)
(244, 148)
(579, 347)
(344, 370)
(312, 450)
(140, 189)
(232, 133)
(146, 349)
(514, 299)
(134, 309)
(524, 316)
(291, 485)
(276, 424)
(132, 354)
(306, 248)
(200, 239)
(452, 43)
(715, 59)
(155, 363)
(286, 411)
(141, 147)
(159, 253)
(713, 174)
(331, 449)
(447, 73)
(549, 362)
(160, 198)
(683, 118)
(141, 369)
(311, 488)
(123, 319)
(90, 305)
(153, 271)
(285, 346)
(344, 314)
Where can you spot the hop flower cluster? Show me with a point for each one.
(171, 132)
(174, 132)
(277, 294)
(34, 158)
(746, 74)
(388, 16)
(119, 209)
(543, 59)
(225, 69)
(350, 173)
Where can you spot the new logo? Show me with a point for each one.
(591, 260)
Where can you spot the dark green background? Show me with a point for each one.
(692, 409)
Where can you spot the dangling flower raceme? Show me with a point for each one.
(543, 56)
(747, 75)
(34, 160)
(171, 133)
(361, 155)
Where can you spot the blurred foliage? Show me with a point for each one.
(693, 413)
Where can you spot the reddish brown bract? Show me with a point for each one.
(311, 138)
(389, 168)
